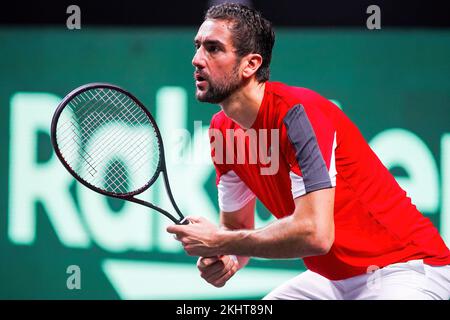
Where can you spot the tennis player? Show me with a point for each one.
(336, 205)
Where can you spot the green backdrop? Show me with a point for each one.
(393, 84)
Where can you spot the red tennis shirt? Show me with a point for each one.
(317, 146)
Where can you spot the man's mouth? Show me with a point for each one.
(200, 80)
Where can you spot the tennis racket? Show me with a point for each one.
(108, 140)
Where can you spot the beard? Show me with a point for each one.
(219, 90)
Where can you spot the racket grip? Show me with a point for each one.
(184, 221)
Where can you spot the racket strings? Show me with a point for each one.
(86, 114)
(91, 123)
(140, 151)
(108, 140)
(117, 138)
(137, 143)
(85, 135)
(84, 109)
(111, 181)
(142, 117)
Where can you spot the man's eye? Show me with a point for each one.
(213, 49)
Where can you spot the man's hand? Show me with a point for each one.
(217, 270)
(199, 238)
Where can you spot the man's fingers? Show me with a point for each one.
(230, 270)
(219, 279)
(216, 271)
(174, 228)
(210, 265)
(194, 219)
(204, 262)
(224, 278)
(213, 271)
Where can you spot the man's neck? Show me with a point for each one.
(243, 106)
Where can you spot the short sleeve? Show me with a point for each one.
(310, 144)
(233, 193)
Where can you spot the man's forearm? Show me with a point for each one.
(242, 260)
(284, 238)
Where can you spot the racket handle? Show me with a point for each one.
(184, 221)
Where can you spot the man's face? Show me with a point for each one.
(215, 61)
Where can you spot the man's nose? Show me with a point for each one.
(198, 60)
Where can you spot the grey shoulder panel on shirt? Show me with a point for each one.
(307, 152)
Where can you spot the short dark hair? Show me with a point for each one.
(251, 33)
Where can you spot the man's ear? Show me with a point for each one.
(252, 62)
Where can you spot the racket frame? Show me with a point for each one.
(130, 196)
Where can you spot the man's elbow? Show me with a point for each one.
(315, 238)
(322, 242)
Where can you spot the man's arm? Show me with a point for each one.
(243, 218)
(309, 231)
(218, 270)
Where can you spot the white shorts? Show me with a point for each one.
(412, 280)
